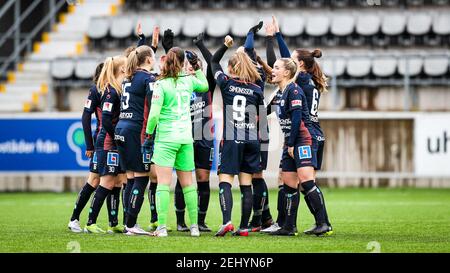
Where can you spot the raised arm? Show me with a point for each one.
(249, 44)
(215, 60)
(167, 41)
(270, 51)
(284, 50)
(198, 41)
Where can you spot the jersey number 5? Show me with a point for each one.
(125, 96)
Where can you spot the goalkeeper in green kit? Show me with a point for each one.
(173, 146)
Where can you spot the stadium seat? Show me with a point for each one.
(169, 4)
(62, 68)
(317, 25)
(290, 3)
(367, 25)
(342, 25)
(193, 25)
(393, 24)
(98, 28)
(292, 24)
(219, 27)
(417, 26)
(172, 21)
(85, 68)
(435, 65)
(122, 27)
(266, 4)
(384, 66)
(315, 3)
(340, 3)
(441, 24)
(334, 67)
(241, 23)
(358, 66)
(415, 65)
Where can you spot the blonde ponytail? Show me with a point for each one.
(243, 67)
(136, 58)
(109, 74)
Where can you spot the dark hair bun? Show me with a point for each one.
(317, 53)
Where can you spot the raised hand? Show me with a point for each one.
(167, 41)
(270, 29)
(155, 36)
(139, 29)
(275, 24)
(199, 38)
(192, 59)
(228, 41)
(256, 28)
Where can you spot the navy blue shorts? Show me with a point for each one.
(203, 156)
(317, 149)
(239, 156)
(129, 145)
(303, 157)
(108, 163)
(264, 156)
(93, 163)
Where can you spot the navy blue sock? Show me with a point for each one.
(226, 201)
(258, 201)
(97, 202)
(317, 202)
(112, 203)
(204, 193)
(152, 200)
(266, 216)
(83, 197)
(126, 198)
(280, 206)
(180, 205)
(246, 205)
(291, 207)
(308, 203)
(136, 200)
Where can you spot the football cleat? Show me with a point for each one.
(323, 230)
(161, 231)
(272, 228)
(224, 229)
(136, 230)
(182, 228)
(283, 232)
(309, 231)
(116, 229)
(241, 232)
(204, 228)
(195, 232)
(93, 229)
(74, 226)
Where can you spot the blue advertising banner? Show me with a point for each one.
(42, 144)
(48, 143)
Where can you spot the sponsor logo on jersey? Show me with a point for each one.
(107, 106)
(119, 137)
(304, 152)
(126, 115)
(146, 158)
(112, 159)
(296, 103)
(282, 103)
(87, 104)
(94, 158)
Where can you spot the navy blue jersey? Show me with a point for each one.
(92, 106)
(110, 104)
(201, 116)
(304, 80)
(241, 104)
(136, 100)
(292, 99)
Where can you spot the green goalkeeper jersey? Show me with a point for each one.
(170, 107)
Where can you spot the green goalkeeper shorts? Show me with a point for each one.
(174, 155)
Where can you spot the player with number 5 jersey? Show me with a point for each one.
(130, 132)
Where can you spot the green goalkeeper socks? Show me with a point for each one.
(191, 200)
(162, 203)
